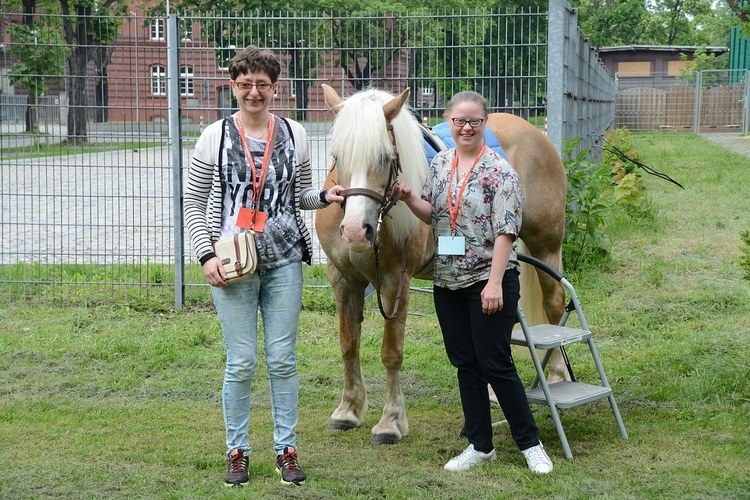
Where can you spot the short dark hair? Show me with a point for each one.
(253, 60)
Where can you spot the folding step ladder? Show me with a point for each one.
(566, 394)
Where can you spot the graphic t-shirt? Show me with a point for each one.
(280, 243)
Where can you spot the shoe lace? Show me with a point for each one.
(467, 453)
(237, 462)
(536, 456)
(289, 461)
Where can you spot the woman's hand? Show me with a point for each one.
(418, 205)
(333, 194)
(492, 297)
(214, 272)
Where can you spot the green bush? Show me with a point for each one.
(586, 213)
(627, 178)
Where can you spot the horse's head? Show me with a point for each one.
(374, 145)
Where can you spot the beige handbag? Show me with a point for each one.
(238, 255)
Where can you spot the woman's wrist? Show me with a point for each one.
(324, 196)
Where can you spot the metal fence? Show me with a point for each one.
(709, 101)
(581, 90)
(101, 217)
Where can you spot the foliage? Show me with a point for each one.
(587, 206)
(745, 257)
(661, 22)
(610, 24)
(39, 53)
(702, 61)
(626, 176)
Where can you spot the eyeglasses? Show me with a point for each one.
(473, 123)
(247, 86)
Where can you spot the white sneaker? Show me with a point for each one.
(469, 458)
(537, 459)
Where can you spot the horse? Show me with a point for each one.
(377, 141)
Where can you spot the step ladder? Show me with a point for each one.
(566, 394)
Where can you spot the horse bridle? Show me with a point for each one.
(387, 202)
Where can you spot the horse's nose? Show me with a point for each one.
(370, 231)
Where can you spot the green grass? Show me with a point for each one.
(112, 401)
(62, 148)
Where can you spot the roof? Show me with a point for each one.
(663, 48)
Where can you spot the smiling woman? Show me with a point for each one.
(251, 173)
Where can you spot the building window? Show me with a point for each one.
(634, 68)
(187, 82)
(158, 80)
(675, 68)
(427, 90)
(157, 29)
(186, 29)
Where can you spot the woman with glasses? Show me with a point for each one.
(251, 171)
(473, 199)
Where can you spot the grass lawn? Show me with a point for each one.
(113, 402)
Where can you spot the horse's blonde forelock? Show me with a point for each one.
(359, 139)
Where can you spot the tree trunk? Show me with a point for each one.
(31, 122)
(80, 42)
(78, 103)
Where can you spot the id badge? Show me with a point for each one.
(246, 216)
(451, 245)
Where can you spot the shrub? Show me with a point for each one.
(627, 179)
(587, 206)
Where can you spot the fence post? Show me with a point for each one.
(556, 72)
(698, 103)
(175, 135)
(746, 104)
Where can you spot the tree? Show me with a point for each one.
(38, 52)
(612, 22)
(85, 37)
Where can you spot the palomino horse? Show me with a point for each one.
(373, 239)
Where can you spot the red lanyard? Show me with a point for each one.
(453, 208)
(257, 181)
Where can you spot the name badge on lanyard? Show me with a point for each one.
(451, 245)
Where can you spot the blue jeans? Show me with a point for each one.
(278, 295)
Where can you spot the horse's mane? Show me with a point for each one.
(359, 139)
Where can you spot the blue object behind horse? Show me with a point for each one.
(443, 133)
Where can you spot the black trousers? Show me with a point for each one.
(478, 345)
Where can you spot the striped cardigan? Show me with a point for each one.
(203, 192)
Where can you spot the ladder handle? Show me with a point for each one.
(541, 265)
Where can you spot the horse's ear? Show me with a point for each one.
(392, 107)
(332, 97)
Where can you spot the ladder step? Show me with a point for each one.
(550, 336)
(569, 394)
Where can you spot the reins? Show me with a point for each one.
(387, 202)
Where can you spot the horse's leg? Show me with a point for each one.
(350, 302)
(393, 424)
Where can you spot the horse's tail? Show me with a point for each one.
(531, 291)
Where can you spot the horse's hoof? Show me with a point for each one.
(340, 425)
(384, 439)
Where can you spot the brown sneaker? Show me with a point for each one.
(237, 466)
(287, 466)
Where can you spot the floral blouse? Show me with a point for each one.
(491, 205)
